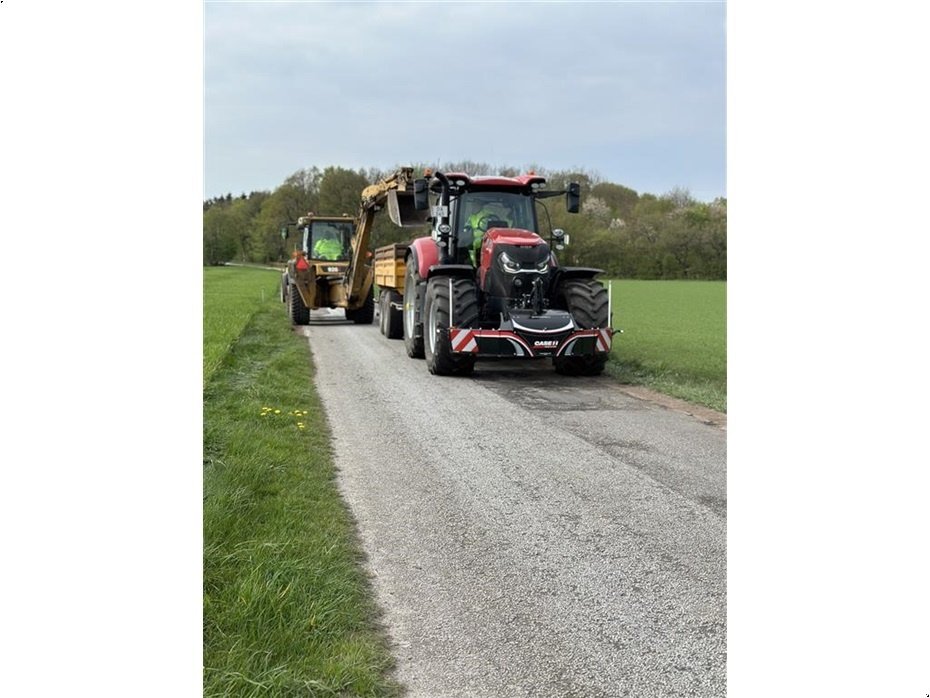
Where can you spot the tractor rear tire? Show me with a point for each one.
(300, 314)
(392, 318)
(446, 298)
(586, 300)
(412, 343)
(365, 314)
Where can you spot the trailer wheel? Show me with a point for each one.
(412, 343)
(392, 319)
(586, 300)
(443, 293)
(365, 314)
(382, 301)
(299, 313)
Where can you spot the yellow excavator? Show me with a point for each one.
(332, 266)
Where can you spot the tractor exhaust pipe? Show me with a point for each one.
(443, 231)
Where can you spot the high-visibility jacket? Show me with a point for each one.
(479, 225)
(327, 248)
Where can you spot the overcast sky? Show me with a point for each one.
(635, 92)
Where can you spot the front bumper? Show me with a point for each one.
(522, 344)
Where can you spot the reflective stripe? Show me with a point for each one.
(463, 340)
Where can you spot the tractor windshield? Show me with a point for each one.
(479, 210)
(329, 240)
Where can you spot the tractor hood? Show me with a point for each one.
(512, 236)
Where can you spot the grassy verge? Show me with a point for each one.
(232, 295)
(287, 610)
(674, 338)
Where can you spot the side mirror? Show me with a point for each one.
(420, 194)
(573, 198)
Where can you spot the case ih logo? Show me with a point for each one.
(546, 343)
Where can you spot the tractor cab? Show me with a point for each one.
(328, 240)
(476, 212)
(496, 231)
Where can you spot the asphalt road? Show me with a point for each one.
(529, 534)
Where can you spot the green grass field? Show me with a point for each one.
(231, 296)
(674, 338)
(287, 610)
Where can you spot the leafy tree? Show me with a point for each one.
(225, 236)
(621, 200)
(341, 191)
(219, 241)
(298, 195)
(624, 233)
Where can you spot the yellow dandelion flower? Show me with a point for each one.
(277, 411)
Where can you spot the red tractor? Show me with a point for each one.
(485, 284)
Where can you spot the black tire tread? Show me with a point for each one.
(299, 313)
(412, 343)
(464, 313)
(393, 318)
(587, 301)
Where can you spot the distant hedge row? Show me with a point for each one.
(627, 234)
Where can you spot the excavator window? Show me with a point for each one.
(329, 240)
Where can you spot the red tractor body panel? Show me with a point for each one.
(427, 254)
(503, 236)
(521, 182)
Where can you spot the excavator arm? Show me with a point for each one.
(395, 192)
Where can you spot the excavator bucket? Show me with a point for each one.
(402, 212)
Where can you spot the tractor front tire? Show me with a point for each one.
(412, 343)
(586, 300)
(448, 298)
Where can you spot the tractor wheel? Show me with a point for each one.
(586, 300)
(445, 294)
(412, 343)
(365, 314)
(392, 319)
(300, 314)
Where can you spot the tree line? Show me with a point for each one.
(625, 233)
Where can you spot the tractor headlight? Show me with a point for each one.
(543, 266)
(507, 264)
